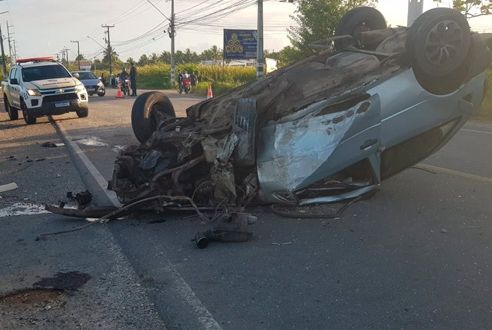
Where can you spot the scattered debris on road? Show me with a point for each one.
(22, 209)
(49, 144)
(231, 229)
(91, 141)
(8, 187)
(118, 148)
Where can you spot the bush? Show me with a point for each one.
(217, 87)
(154, 76)
(226, 74)
(223, 78)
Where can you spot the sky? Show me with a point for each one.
(46, 27)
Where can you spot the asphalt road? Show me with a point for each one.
(416, 255)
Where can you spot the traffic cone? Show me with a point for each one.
(210, 93)
(119, 94)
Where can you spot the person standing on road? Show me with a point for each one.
(133, 79)
(194, 79)
(180, 81)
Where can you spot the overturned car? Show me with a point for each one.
(331, 127)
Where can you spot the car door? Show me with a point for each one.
(14, 88)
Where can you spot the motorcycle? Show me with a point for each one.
(185, 86)
(125, 86)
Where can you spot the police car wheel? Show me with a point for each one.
(29, 118)
(13, 112)
(82, 113)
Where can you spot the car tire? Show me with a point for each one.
(438, 45)
(144, 113)
(29, 118)
(82, 113)
(358, 20)
(90, 94)
(12, 112)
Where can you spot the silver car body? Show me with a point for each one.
(305, 147)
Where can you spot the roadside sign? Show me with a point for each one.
(85, 65)
(240, 44)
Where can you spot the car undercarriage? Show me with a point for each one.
(328, 128)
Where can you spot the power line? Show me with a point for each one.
(201, 3)
(145, 34)
(220, 13)
(160, 11)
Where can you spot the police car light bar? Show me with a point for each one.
(35, 59)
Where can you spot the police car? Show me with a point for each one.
(41, 86)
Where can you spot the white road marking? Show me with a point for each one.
(79, 157)
(202, 314)
(437, 169)
(476, 131)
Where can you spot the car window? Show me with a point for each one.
(44, 72)
(12, 73)
(84, 75)
(18, 75)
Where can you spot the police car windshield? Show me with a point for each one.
(85, 75)
(44, 72)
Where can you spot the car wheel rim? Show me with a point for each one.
(444, 42)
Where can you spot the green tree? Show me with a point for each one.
(213, 53)
(165, 57)
(317, 20)
(284, 56)
(144, 60)
(114, 57)
(153, 58)
(472, 8)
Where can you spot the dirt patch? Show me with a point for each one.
(69, 281)
(31, 297)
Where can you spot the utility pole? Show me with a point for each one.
(9, 40)
(415, 9)
(78, 50)
(15, 49)
(260, 61)
(172, 35)
(110, 52)
(65, 54)
(4, 65)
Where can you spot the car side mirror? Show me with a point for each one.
(76, 75)
(14, 81)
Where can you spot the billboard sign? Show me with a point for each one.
(85, 65)
(240, 44)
